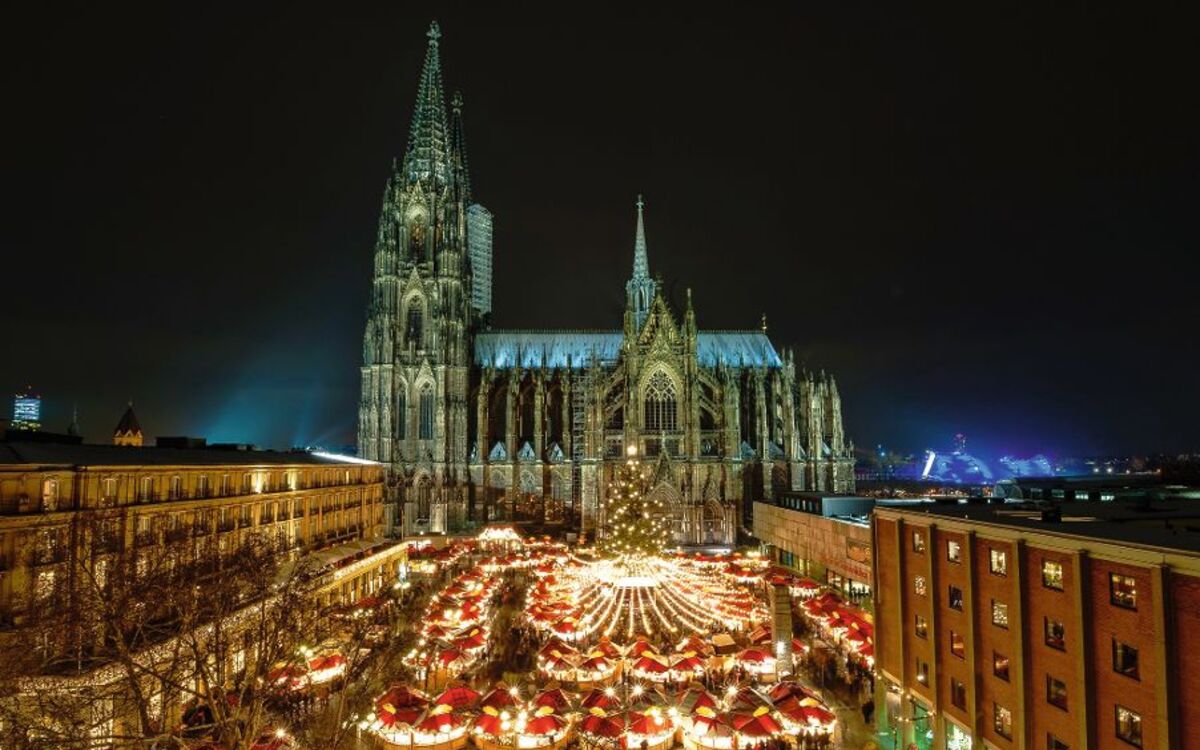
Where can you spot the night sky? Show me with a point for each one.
(980, 220)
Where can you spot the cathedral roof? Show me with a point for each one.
(736, 349)
(504, 349)
(576, 349)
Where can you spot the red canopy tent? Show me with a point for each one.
(457, 695)
(400, 705)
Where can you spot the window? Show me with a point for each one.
(954, 552)
(998, 562)
(1129, 726)
(1000, 666)
(176, 490)
(1125, 659)
(958, 646)
(146, 489)
(247, 483)
(1054, 743)
(202, 486)
(919, 585)
(425, 431)
(1052, 575)
(50, 494)
(999, 614)
(922, 672)
(1056, 692)
(402, 414)
(659, 402)
(225, 486)
(1056, 634)
(110, 489)
(922, 627)
(958, 694)
(1002, 721)
(412, 333)
(956, 598)
(1122, 591)
(918, 543)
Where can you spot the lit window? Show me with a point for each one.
(1056, 634)
(426, 417)
(922, 627)
(958, 646)
(1000, 666)
(918, 543)
(954, 552)
(1125, 659)
(1002, 721)
(1129, 726)
(50, 494)
(956, 598)
(922, 672)
(958, 694)
(998, 562)
(1056, 692)
(999, 614)
(1052, 575)
(919, 585)
(1122, 591)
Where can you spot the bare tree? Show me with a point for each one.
(133, 641)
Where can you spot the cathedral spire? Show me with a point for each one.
(641, 264)
(458, 148)
(427, 154)
(639, 290)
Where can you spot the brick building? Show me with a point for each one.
(1016, 627)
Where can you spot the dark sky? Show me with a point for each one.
(980, 220)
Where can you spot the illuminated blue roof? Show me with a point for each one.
(576, 349)
(736, 349)
(505, 349)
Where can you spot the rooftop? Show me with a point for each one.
(60, 454)
(1169, 525)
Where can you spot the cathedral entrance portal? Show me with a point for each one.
(673, 511)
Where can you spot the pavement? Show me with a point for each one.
(853, 733)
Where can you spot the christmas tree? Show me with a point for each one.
(633, 519)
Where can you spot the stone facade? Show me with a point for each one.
(478, 425)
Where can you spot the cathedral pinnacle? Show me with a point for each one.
(640, 287)
(426, 156)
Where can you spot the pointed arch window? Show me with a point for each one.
(660, 403)
(402, 412)
(426, 416)
(414, 324)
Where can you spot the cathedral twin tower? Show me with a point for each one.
(479, 425)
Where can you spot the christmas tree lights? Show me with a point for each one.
(633, 518)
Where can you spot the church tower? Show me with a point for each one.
(421, 318)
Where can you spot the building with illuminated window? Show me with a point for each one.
(1060, 626)
(477, 424)
(199, 501)
(27, 411)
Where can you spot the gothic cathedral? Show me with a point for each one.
(478, 425)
